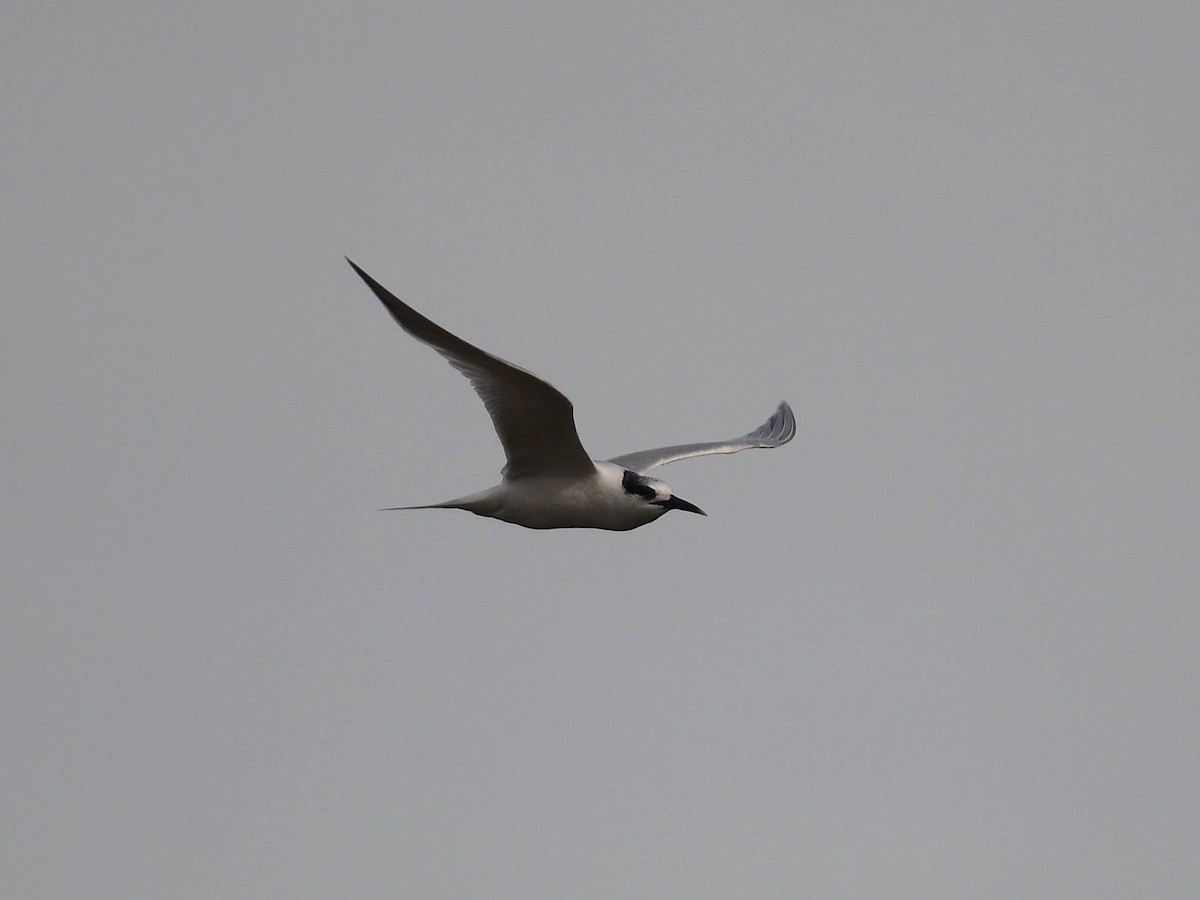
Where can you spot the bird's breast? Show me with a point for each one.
(559, 502)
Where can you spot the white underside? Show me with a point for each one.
(555, 501)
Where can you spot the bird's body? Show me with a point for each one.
(562, 501)
(549, 481)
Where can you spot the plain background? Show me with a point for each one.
(943, 645)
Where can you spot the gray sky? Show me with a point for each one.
(943, 645)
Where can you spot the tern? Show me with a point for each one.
(549, 481)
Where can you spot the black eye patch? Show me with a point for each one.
(633, 483)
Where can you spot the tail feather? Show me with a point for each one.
(449, 504)
(482, 503)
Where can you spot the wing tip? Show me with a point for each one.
(788, 422)
(778, 429)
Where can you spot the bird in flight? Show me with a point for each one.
(549, 481)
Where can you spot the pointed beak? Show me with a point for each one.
(674, 502)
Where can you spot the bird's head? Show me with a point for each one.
(655, 493)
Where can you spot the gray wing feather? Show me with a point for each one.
(775, 432)
(534, 420)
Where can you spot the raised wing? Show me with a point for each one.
(775, 432)
(534, 421)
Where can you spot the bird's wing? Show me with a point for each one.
(775, 432)
(535, 422)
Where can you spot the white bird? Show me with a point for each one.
(549, 480)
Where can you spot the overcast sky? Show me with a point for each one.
(942, 645)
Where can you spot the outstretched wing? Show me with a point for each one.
(534, 421)
(775, 432)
